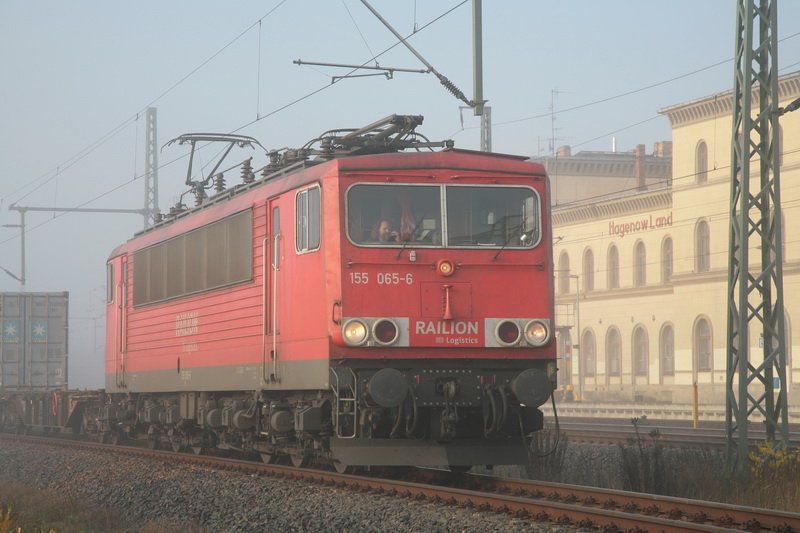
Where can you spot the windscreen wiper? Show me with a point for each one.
(523, 238)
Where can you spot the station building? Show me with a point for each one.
(641, 258)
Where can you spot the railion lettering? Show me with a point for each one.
(446, 328)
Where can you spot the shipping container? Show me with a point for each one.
(33, 343)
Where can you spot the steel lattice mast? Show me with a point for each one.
(755, 291)
(151, 169)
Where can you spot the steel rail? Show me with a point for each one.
(564, 505)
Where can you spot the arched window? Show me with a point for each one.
(666, 260)
(563, 273)
(783, 233)
(701, 162)
(613, 268)
(589, 353)
(564, 351)
(588, 270)
(640, 351)
(639, 265)
(702, 247)
(613, 352)
(783, 236)
(666, 348)
(787, 334)
(702, 345)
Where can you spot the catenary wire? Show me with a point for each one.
(277, 110)
(117, 129)
(314, 92)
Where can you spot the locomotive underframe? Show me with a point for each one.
(444, 414)
(433, 412)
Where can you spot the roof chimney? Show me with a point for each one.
(638, 167)
(662, 149)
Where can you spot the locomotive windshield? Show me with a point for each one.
(474, 216)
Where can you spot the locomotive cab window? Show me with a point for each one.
(307, 214)
(394, 215)
(475, 216)
(492, 216)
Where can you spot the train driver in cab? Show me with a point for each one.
(383, 232)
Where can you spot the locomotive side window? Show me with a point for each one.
(394, 215)
(213, 256)
(307, 214)
(492, 216)
(475, 216)
(109, 282)
(276, 235)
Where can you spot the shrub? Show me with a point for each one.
(775, 470)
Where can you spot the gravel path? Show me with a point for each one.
(204, 499)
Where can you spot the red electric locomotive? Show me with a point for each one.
(370, 306)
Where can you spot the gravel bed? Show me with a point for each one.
(204, 499)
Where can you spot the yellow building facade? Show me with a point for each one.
(641, 271)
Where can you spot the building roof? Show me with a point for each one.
(720, 104)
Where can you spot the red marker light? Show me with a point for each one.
(507, 333)
(385, 331)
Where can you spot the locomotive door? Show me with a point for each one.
(274, 292)
(121, 309)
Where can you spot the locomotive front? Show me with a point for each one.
(442, 346)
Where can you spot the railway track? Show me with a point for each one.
(565, 505)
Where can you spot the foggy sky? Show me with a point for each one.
(75, 72)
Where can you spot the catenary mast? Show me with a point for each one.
(755, 385)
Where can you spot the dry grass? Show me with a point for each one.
(645, 464)
(548, 449)
(25, 509)
(39, 511)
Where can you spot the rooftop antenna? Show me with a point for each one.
(553, 138)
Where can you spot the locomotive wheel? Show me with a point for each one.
(342, 468)
(197, 450)
(176, 446)
(152, 444)
(299, 459)
(115, 438)
(270, 458)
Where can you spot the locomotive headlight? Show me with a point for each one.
(355, 332)
(385, 331)
(536, 333)
(445, 268)
(507, 333)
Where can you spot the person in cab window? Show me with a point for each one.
(383, 232)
